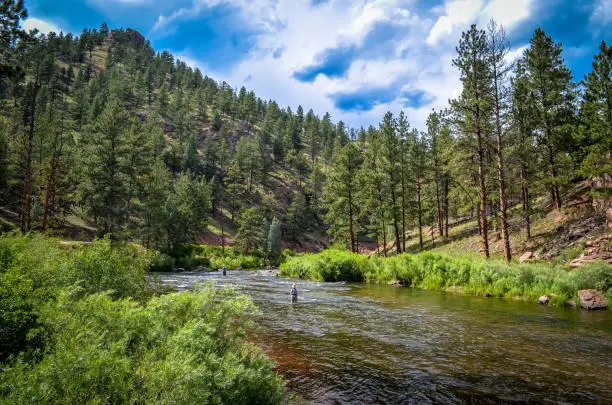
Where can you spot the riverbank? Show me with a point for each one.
(466, 274)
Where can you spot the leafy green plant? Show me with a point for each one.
(178, 348)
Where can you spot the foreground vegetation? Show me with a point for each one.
(437, 271)
(81, 324)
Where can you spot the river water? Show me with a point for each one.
(364, 344)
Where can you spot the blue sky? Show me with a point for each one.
(353, 58)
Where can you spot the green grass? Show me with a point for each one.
(440, 272)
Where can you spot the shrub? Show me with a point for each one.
(178, 348)
(34, 269)
(163, 262)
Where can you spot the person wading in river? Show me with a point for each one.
(224, 271)
(293, 293)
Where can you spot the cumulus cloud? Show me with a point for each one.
(41, 25)
(354, 59)
(260, 13)
(458, 13)
(602, 12)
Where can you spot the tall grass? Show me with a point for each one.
(436, 271)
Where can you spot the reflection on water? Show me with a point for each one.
(354, 343)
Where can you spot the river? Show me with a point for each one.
(363, 344)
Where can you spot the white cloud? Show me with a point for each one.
(258, 12)
(418, 58)
(514, 54)
(458, 14)
(41, 25)
(505, 13)
(602, 12)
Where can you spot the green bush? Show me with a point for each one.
(191, 257)
(180, 348)
(33, 269)
(163, 262)
(437, 271)
(329, 265)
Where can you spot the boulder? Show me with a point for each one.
(526, 256)
(543, 299)
(570, 303)
(592, 299)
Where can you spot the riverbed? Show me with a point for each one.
(348, 343)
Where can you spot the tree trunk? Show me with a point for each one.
(554, 189)
(50, 192)
(351, 232)
(525, 201)
(446, 206)
(483, 196)
(439, 211)
(502, 192)
(418, 184)
(222, 240)
(27, 181)
(398, 244)
(403, 212)
(384, 236)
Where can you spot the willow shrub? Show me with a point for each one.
(96, 267)
(438, 271)
(329, 265)
(180, 348)
(34, 269)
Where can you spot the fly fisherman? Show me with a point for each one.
(294, 293)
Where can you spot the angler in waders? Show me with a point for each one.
(294, 293)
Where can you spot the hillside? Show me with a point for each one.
(201, 125)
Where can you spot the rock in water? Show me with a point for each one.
(526, 256)
(592, 299)
(544, 299)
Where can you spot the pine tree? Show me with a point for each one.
(389, 164)
(524, 115)
(106, 171)
(433, 133)
(296, 218)
(273, 248)
(596, 115)
(498, 50)
(11, 14)
(551, 87)
(343, 194)
(187, 209)
(474, 109)
(157, 188)
(251, 234)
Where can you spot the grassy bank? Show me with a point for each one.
(81, 324)
(437, 271)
